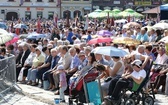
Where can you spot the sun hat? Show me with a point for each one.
(137, 62)
(81, 53)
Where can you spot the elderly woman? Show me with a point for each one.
(28, 63)
(117, 70)
(46, 66)
(37, 62)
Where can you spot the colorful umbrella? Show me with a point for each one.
(100, 40)
(104, 33)
(126, 40)
(5, 37)
(110, 51)
(14, 40)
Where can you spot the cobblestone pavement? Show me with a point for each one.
(38, 96)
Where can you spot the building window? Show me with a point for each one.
(39, 14)
(50, 15)
(39, 0)
(27, 15)
(27, 0)
(77, 13)
(11, 0)
(66, 14)
(51, 0)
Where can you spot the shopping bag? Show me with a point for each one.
(20, 77)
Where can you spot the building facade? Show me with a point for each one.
(29, 9)
(137, 5)
(72, 8)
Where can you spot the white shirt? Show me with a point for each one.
(138, 75)
(161, 59)
(30, 58)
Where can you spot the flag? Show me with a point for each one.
(86, 23)
(11, 30)
(67, 23)
(21, 2)
(76, 20)
(58, 3)
(38, 25)
(158, 18)
(129, 19)
(133, 19)
(55, 20)
(108, 19)
(112, 21)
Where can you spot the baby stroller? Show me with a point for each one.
(76, 89)
(137, 94)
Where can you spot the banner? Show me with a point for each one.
(156, 2)
(21, 2)
(143, 2)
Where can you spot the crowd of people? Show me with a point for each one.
(63, 55)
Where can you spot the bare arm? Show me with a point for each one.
(146, 59)
(115, 69)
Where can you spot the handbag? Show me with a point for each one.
(107, 79)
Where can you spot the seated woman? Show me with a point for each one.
(91, 63)
(117, 84)
(46, 66)
(37, 62)
(117, 70)
(28, 63)
(161, 81)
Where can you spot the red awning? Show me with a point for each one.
(155, 10)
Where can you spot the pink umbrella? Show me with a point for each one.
(14, 40)
(100, 40)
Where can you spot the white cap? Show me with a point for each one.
(60, 67)
(137, 63)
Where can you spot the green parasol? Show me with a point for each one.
(131, 13)
(94, 14)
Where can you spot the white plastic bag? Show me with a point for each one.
(20, 77)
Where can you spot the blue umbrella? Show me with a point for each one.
(22, 26)
(110, 51)
(36, 36)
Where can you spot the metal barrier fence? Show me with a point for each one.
(7, 75)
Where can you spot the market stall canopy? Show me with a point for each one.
(155, 10)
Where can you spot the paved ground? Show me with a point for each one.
(38, 96)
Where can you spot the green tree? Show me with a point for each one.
(166, 1)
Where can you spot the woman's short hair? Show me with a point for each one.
(100, 67)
